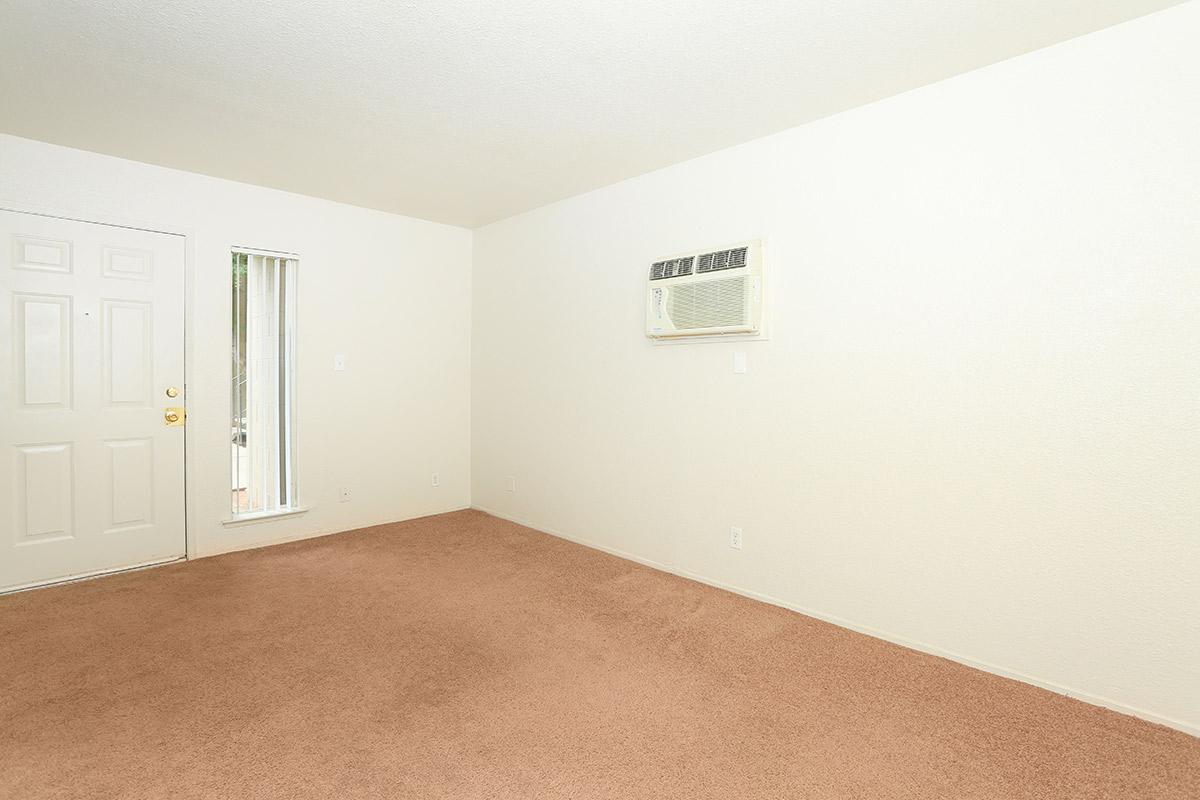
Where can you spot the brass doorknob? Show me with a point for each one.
(174, 415)
(171, 416)
(172, 392)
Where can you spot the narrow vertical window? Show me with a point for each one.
(263, 388)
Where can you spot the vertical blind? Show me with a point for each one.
(263, 444)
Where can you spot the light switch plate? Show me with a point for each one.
(339, 363)
(739, 362)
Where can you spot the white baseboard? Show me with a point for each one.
(1085, 697)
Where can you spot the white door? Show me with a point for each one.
(91, 347)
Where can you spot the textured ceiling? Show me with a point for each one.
(468, 111)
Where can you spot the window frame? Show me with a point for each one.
(290, 330)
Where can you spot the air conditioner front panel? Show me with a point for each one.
(706, 294)
(708, 304)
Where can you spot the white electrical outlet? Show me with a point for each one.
(735, 538)
(510, 484)
(437, 479)
(343, 495)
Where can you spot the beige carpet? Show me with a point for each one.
(461, 656)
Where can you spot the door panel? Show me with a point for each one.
(45, 493)
(43, 338)
(130, 478)
(91, 477)
(41, 254)
(128, 372)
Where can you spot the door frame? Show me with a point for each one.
(188, 234)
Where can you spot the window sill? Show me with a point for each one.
(262, 516)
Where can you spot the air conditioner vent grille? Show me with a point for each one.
(708, 304)
(722, 259)
(672, 268)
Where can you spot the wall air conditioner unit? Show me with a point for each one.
(707, 293)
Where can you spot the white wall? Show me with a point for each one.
(389, 292)
(975, 425)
